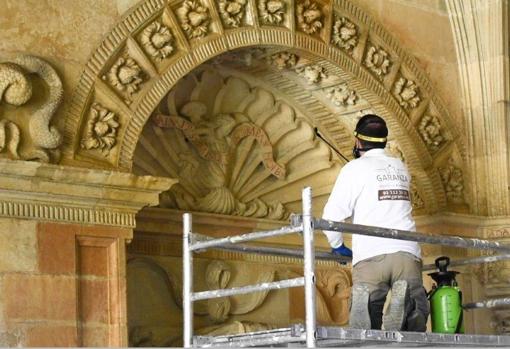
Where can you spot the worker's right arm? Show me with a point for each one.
(342, 201)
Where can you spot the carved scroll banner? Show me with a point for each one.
(190, 132)
(250, 130)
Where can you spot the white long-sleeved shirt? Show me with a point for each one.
(373, 190)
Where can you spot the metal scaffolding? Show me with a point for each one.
(309, 334)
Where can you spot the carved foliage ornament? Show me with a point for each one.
(406, 92)
(309, 17)
(453, 182)
(101, 130)
(157, 41)
(377, 61)
(312, 73)
(232, 11)
(125, 75)
(282, 60)
(342, 96)
(16, 89)
(194, 18)
(345, 34)
(272, 11)
(430, 130)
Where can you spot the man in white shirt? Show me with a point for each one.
(374, 190)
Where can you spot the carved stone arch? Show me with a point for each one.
(390, 77)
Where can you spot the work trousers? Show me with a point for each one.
(380, 272)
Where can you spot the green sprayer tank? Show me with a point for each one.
(445, 300)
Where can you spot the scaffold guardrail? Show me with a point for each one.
(310, 333)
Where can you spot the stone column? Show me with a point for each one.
(63, 232)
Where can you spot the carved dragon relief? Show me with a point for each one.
(27, 134)
(231, 146)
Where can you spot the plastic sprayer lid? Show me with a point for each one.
(443, 277)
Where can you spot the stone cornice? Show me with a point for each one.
(61, 193)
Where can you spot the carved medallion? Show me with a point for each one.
(342, 96)
(313, 74)
(309, 16)
(272, 11)
(194, 18)
(125, 76)
(101, 130)
(345, 34)
(431, 132)
(232, 11)
(377, 61)
(157, 41)
(407, 94)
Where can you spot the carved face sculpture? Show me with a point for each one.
(196, 18)
(234, 7)
(312, 15)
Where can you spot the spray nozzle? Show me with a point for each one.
(442, 263)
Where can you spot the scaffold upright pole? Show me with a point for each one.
(187, 280)
(309, 267)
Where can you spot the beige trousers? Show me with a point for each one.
(380, 272)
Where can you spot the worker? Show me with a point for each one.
(373, 190)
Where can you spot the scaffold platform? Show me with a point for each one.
(309, 334)
(295, 337)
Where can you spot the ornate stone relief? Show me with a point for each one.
(194, 18)
(345, 34)
(231, 148)
(309, 16)
(313, 74)
(333, 293)
(416, 198)
(157, 41)
(272, 11)
(431, 132)
(377, 61)
(283, 60)
(393, 148)
(407, 94)
(453, 182)
(29, 128)
(125, 76)
(101, 130)
(232, 11)
(342, 96)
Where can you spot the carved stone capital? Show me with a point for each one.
(47, 192)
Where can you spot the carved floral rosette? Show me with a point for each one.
(232, 12)
(345, 34)
(194, 18)
(272, 11)
(157, 41)
(309, 16)
(101, 130)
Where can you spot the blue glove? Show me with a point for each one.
(342, 250)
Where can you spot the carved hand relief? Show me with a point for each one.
(406, 92)
(313, 74)
(157, 41)
(272, 11)
(453, 182)
(101, 130)
(194, 18)
(342, 96)
(125, 75)
(42, 140)
(377, 61)
(430, 130)
(309, 16)
(232, 11)
(345, 34)
(282, 60)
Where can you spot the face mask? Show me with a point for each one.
(356, 151)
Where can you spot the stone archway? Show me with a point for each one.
(158, 43)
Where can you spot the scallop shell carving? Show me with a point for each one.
(235, 148)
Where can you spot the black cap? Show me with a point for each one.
(371, 128)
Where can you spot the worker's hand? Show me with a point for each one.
(342, 250)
